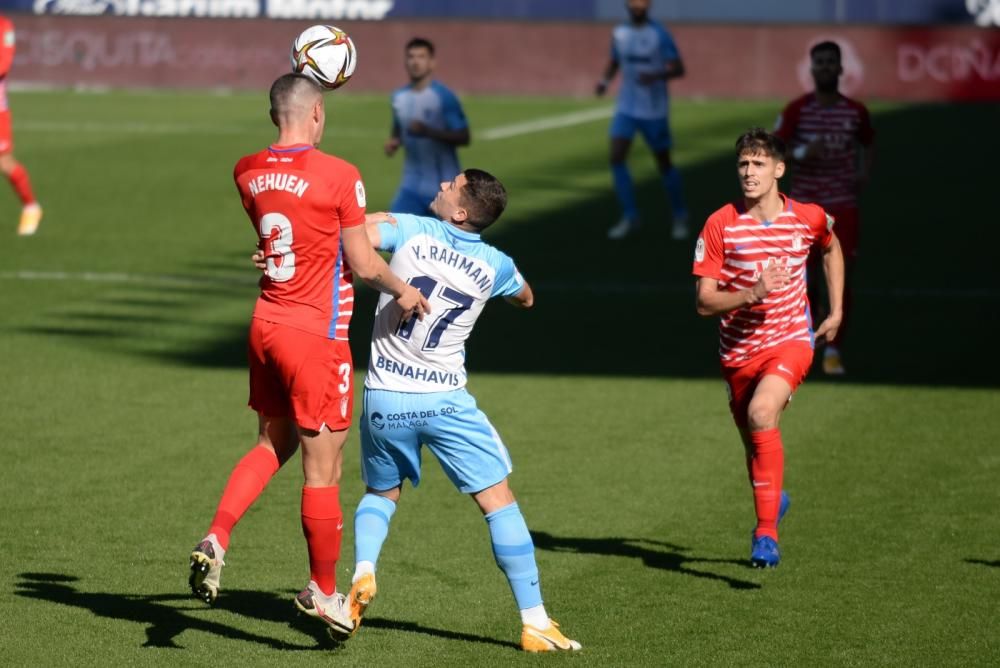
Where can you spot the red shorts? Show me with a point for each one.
(6, 135)
(790, 361)
(302, 375)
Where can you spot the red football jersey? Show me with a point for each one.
(831, 179)
(734, 248)
(298, 199)
(6, 57)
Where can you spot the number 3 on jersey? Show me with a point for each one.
(426, 285)
(280, 258)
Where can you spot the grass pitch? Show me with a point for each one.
(124, 399)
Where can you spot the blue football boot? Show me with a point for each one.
(764, 552)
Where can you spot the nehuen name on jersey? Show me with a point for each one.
(277, 181)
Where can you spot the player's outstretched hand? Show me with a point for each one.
(259, 260)
(827, 330)
(379, 217)
(413, 303)
(774, 277)
(391, 146)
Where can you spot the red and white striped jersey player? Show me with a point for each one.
(31, 212)
(750, 260)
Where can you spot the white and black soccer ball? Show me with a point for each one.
(326, 55)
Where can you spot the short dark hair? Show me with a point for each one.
(484, 197)
(759, 140)
(825, 46)
(420, 43)
(285, 86)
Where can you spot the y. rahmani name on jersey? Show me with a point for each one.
(278, 181)
(453, 258)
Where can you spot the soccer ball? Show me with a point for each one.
(326, 55)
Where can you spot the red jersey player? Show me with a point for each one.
(307, 208)
(825, 131)
(31, 212)
(750, 261)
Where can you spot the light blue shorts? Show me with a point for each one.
(409, 201)
(656, 131)
(395, 425)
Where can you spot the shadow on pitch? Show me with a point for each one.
(411, 627)
(163, 618)
(653, 553)
(984, 562)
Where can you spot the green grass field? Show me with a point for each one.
(125, 388)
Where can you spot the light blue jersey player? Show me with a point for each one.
(647, 56)
(428, 122)
(415, 392)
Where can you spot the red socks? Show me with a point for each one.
(323, 525)
(767, 468)
(248, 479)
(22, 184)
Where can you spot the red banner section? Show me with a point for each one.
(905, 63)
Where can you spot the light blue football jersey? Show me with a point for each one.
(638, 49)
(458, 273)
(428, 162)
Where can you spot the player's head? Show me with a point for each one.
(419, 58)
(760, 162)
(474, 199)
(297, 106)
(826, 66)
(638, 10)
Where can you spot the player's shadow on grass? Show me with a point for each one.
(653, 553)
(984, 562)
(412, 627)
(165, 621)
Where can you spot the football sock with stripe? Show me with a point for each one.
(371, 527)
(515, 555)
(766, 472)
(248, 479)
(21, 183)
(623, 188)
(672, 183)
(322, 525)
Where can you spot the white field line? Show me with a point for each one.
(544, 286)
(545, 123)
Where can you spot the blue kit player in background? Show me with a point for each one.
(648, 57)
(415, 390)
(428, 122)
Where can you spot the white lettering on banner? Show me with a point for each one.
(987, 12)
(213, 8)
(329, 9)
(948, 63)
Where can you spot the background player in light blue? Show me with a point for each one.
(428, 122)
(647, 56)
(415, 391)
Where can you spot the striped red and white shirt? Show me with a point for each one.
(298, 200)
(734, 248)
(829, 180)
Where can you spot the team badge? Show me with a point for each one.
(699, 250)
(343, 407)
(829, 222)
(359, 192)
(796, 242)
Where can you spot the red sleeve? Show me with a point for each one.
(822, 225)
(866, 133)
(784, 128)
(709, 251)
(351, 197)
(6, 46)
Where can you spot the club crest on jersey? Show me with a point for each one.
(378, 421)
(699, 250)
(359, 192)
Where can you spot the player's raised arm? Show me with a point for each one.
(373, 270)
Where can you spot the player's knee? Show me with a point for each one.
(7, 163)
(762, 415)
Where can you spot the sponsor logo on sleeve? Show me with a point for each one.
(699, 250)
(829, 222)
(359, 192)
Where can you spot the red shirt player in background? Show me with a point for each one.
(31, 212)
(825, 131)
(308, 210)
(750, 261)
